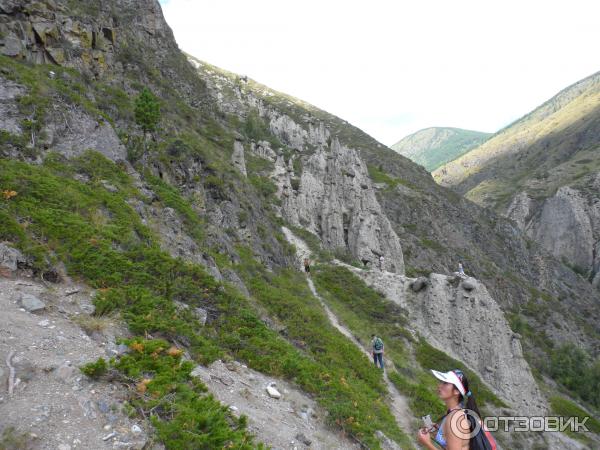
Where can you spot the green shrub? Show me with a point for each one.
(433, 245)
(172, 198)
(181, 411)
(147, 111)
(312, 240)
(265, 187)
(415, 272)
(258, 166)
(255, 128)
(217, 186)
(574, 369)
(95, 370)
(379, 176)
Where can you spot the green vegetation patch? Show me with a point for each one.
(11, 439)
(365, 312)
(570, 411)
(53, 214)
(420, 389)
(379, 176)
(102, 241)
(565, 408)
(335, 371)
(433, 245)
(171, 197)
(573, 368)
(161, 387)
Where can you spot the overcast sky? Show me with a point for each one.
(394, 67)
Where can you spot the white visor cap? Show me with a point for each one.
(452, 378)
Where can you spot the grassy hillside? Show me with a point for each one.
(61, 211)
(554, 145)
(433, 147)
(103, 242)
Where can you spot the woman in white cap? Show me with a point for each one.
(454, 431)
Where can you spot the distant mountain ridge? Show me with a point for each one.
(543, 171)
(548, 136)
(432, 147)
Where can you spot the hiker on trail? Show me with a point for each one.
(461, 269)
(377, 346)
(307, 266)
(461, 427)
(381, 262)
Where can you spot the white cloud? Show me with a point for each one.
(393, 67)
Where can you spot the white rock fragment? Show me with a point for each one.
(109, 436)
(273, 393)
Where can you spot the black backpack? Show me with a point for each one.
(483, 440)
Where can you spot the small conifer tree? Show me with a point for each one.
(147, 112)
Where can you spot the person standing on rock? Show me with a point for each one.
(461, 427)
(377, 346)
(461, 269)
(381, 262)
(307, 266)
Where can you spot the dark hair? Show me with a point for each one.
(470, 403)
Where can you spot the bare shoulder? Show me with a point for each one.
(457, 429)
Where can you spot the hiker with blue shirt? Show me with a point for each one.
(377, 346)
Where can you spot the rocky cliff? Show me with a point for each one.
(566, 224)
(324, 186)
(93, 37)
(459, 317)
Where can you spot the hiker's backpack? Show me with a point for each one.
(483, 440)
(378, 344)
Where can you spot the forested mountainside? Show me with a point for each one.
(178, 198)
(436, 146)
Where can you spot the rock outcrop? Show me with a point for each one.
(332, 195)
(237, 158)
(567, 225)
(469, 326)
(10, 258)
(87, 38)
(335, 200)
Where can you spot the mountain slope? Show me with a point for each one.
(181, 232)
(542, 171)
(560, 131)
(434, 225)
(433, 147)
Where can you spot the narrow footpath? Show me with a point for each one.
(398, 402)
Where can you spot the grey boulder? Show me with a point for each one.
(31, 303)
